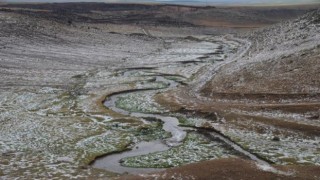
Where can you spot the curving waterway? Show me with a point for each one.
(170, 124)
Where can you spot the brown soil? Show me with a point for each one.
(295, 75)
(230, 169)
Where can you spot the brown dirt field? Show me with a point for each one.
(229, 169)
(295, 75)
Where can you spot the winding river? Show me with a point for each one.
(171, 125)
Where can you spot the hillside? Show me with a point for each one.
(283, 59)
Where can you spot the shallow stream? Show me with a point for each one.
(170, 124)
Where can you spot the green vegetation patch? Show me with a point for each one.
(191, 122)
(139, 102)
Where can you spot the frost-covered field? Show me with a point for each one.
(54, 78)
(52, 120)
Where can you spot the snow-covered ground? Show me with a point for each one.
(52, 86)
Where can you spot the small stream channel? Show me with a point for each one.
(170, 124)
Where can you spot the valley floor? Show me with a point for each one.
(67, 102)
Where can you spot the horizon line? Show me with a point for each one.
(164, 2)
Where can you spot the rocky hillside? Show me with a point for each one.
(283, 59)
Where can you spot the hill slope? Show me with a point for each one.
(283, 59)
